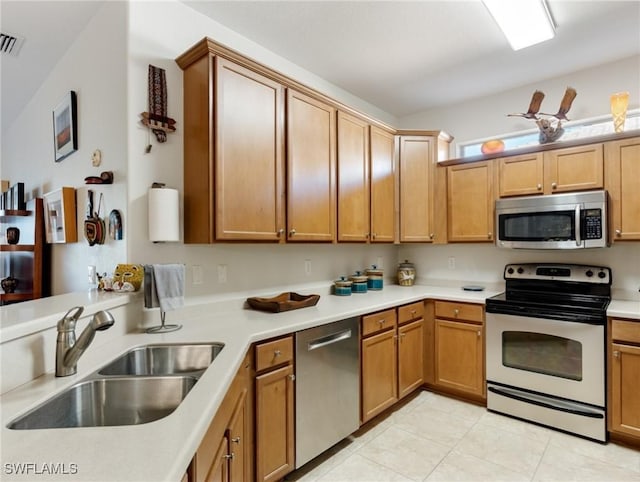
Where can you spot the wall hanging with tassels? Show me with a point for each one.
(156, 119)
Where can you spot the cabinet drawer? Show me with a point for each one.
(414, 311)
(378, 322)
(274, 353)
(461, 311)
(625, 331)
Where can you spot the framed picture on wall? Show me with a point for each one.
(60, 216)
(65, 127)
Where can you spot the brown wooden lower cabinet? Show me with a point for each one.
(392, 357)
(275, 411)
(624, 379)
(226, 451)
(458, 349)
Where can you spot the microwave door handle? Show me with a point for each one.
(578, 227)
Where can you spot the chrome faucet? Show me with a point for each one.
(68, 350)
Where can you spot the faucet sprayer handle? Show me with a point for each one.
(68, 321)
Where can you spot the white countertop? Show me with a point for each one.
(162, 450)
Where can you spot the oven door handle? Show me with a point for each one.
(578, 227)
(547, 404)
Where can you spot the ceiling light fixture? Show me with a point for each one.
(523, 22)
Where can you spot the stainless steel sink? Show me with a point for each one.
(109, 401)
(164, 359)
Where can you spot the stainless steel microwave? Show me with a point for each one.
(558, 221)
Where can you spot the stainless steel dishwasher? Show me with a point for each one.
(327, 387)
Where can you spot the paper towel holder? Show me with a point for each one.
(163, 213)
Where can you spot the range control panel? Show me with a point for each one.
(577, 273)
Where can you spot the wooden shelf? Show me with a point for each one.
(17, 247)
(14, 212)
(21, 296)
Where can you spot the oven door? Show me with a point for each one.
(559, 358)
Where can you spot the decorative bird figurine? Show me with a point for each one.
(534, 106)
(565, 104)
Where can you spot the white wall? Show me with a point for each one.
(95, 68)
(486, 116)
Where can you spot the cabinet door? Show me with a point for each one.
(623, 184)
(574, 169)
(410, 357)
(625, 396)
(379, 373)
(470, 202)
(416, 188)
(236, 433)
(353, 178)
(459, 363)
(311, 169)
(219, 471)
(383, 186)
(520, 175)
(249, 155)
(274, 424)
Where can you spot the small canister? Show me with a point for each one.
(374, 278)
(406, 273)
(359, 284)
(342, 287)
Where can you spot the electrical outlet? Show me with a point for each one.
(222, 273)
(452, 262)
(197, 274)
(307, 267)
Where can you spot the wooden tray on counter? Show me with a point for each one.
(283, 302)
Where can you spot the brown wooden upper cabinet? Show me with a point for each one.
(383, 186)
(311, 169)
(353, 178)
(470, 202)
(623, 184)
(234, 188)
(417, 154)
(560, 170)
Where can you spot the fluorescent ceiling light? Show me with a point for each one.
(523, 22)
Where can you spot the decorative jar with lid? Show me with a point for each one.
(406, 273)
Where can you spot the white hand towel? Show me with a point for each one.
(169, 281)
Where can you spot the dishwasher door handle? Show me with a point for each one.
(329, 339)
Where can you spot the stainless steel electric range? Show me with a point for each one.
(545, 340)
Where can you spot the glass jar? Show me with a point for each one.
(342, 287)
(374, 278)
(406, 273)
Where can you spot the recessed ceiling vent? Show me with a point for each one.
(10, 44)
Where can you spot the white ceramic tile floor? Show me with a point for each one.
(435, 438)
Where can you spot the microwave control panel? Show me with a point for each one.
(593, 224)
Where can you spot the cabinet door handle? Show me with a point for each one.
(431, 235)
(489, 234)
(479, 333)
(229, 456)
(554, 185)
(539, 187)
(373, 235)
(277, 353)
(616, 354)
(280, 232)
(456, 312)
(381, 322)
(618, 232)
(292, 377)
(236, 440)
(413, 312)
(292, 232)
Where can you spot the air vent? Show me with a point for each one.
(10, 44)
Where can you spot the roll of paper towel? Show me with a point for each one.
(164, 215)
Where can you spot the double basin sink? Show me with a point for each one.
(144, 384)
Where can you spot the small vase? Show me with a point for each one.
(9, 284)
(13, 235)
